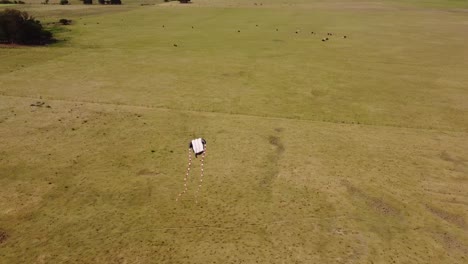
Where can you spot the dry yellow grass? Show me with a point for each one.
(349, 151)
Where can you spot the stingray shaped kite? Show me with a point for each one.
(198, 146)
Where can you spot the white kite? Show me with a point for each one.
(198, 146)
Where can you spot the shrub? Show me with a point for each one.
(21, 28)
(6, 2)
(65, 21)
(102, 2)
(115, 2)
(64, 2)
(88, 2)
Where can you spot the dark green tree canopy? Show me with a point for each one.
(21, 28)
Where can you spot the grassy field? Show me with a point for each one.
(352, 150)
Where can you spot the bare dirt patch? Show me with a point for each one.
(146, 172)
(458, 163)
(450, 242)
(276, 141)
(447, 157)
(279, 129)
(3, 236)
(455, 219)
(378, 204)
(273, 159)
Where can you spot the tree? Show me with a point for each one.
(64, 2)
(21, 28)
(88, 2)
(115, 2)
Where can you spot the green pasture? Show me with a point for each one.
(350, 150)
